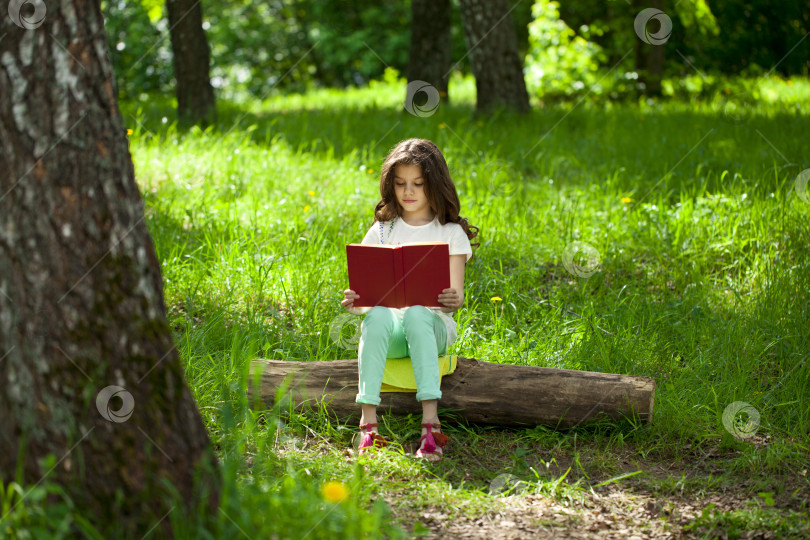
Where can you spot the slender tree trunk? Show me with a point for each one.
(88, 370)
(649, 58)
(430, 52)
(654, 71)
(493, 51)
(195, 95)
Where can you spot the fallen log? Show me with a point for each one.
(480, 392)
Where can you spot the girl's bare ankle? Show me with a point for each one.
(373, 428)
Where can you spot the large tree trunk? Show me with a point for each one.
(493, 50)
(480, 392)
(430, 52)
(195, 95)
(81, 298)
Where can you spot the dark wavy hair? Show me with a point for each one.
(439, 188)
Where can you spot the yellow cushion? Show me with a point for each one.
(398, 375)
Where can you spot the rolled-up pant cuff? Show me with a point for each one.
(368, 400)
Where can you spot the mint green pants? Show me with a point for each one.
(421, 336)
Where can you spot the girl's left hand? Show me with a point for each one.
(452, 299)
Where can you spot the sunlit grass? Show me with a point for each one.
(702, 283)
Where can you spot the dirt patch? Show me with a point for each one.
(692, 498)
(608, 512)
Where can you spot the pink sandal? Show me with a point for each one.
(431, 441)
(371, 439)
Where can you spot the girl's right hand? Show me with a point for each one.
(348, 301)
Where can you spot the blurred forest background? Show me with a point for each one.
(568, 48)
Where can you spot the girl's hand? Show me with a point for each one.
(349, 296)
(452, 299)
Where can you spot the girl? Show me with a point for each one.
(419, 204)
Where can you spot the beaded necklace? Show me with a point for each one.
(391, 228)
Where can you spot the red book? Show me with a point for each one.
(399, 276)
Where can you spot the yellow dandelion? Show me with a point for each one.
(626, 200)
(334, 491)
(370, 171)
(129, 132)
(311, 193)
(442, 125)
(306, 208)
(496, 299)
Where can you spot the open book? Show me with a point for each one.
(399, 276)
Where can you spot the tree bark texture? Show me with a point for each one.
(195, 95)
(430, 51)
(480, 392)
(494, 57)
(81, 297)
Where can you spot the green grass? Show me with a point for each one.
(702, 284)
(703, 274)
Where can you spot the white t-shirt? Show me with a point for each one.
(449, 233)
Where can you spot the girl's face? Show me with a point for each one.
(409, 187)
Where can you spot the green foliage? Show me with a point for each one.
(356, 41)
(589, 48)
(696, 14)
(256, 44)
(596, 59)
(572, 49)
(41, 511)
(559, 61)
(283, 502)
(731, 37)
(258, 47)
(754, 37)
(611, 23)
(139, 48)
(264, 47)
(154, 8)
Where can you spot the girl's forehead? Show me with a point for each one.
(407, 172)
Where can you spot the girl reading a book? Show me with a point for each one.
(419, 204)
